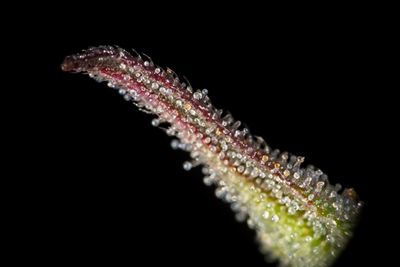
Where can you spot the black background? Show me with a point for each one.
(111, 190)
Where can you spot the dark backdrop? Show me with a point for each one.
(112, 190)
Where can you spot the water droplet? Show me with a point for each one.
(207, 140)
(175, 144)
(254, 173)
(237, 133)
(224, 147)
(291, 211)
(338, 187)
(187, 106)
(293, 207)
(330, 239)
(178, 102)
(207, 180)
(187, 166)
(220, 192)
(275, 218)
(241, 216)
(111, 85)
(265, 215)
(250, 223)
(197, 95)
(285, 200)
(154, 86)
(264, 158)
(240, 169)
(286, 173)
(155, 122)
(170, 131)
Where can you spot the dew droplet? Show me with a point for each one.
(197, 95)
(286, 173)
(187, 106)
(265, 215)
(207, 180)
(154, 86)
(175, 144)
(294, 205)
(254, 173)
(264, 158)
(111, 84)
(155, 122)
(240, 169)
(275, 218)
(187, 166)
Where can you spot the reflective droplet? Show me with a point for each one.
(286, 173)
(155, 122)
(197, 95)
(187, 106)
(175, 144)
(254, 173)
(265, 215)
(154, 86)
(275, 218)
(187, 166)
(240, 169)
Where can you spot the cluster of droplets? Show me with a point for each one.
(299, 217)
